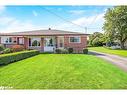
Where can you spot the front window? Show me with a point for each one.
(10, 40)
(75, 39)
(34, 41)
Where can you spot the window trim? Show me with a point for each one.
(75, 36)
(10, 40)
(31, 38)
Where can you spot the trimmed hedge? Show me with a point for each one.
(13, 57)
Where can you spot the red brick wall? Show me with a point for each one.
(77, 47)
(26, 42)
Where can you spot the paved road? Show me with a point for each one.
(114, 59)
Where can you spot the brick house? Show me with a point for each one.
(45, 40)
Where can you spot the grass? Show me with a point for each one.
(110, 51)
(62, 71)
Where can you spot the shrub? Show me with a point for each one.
(7, 50)
(13, 57)
(58, 50)
(70, 50)
(85, 51)
(64, 51)
(2, 47)
(16, 48)
(61, 51)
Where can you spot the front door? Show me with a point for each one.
(49, 44)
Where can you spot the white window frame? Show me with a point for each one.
(4, 40)
(35, 38)
(75, 36)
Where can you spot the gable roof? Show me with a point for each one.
(41, 33)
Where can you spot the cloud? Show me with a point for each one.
(2, 9)
(10, 24)
(6, 20)
(77, 12)
(93, 23)
(35, 13)
(89, 20)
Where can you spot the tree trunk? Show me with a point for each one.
(122, 45)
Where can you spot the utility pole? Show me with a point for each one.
(85, 30)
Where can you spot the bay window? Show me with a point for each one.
(35, 42)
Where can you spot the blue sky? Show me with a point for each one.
(23, 18)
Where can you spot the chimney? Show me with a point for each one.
(49, 28)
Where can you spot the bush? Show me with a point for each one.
(7, 50)
(13, 57)
(2, 47)
(61, 51)
(58, 50)
(85, 51)
(16, 48)
(70, 50)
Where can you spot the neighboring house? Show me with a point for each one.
(45, 40)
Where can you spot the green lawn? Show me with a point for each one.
(110, 51)
(62, 71)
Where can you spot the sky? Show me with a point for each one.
(70, 18)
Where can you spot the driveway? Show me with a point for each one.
(114, 59)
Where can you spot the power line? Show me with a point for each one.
(86, 28)
(62, 18)
(93, 20)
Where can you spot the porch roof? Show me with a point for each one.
(42, 33)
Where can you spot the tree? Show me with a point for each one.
(96, 39)
(115, 25)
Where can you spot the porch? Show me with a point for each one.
(41, 43)
(46, 43)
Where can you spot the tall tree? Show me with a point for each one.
(115, 25)
(96, 39)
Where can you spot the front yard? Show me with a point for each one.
(62, 71)
(110, 51)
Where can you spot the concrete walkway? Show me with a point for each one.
(114, 59)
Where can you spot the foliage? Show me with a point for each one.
(115, 25)
(96, 39)
(13, 57)
(16, 48)
(70, 50)
(85, 51)
(1, 47)
(61, 51)
(7, 50)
